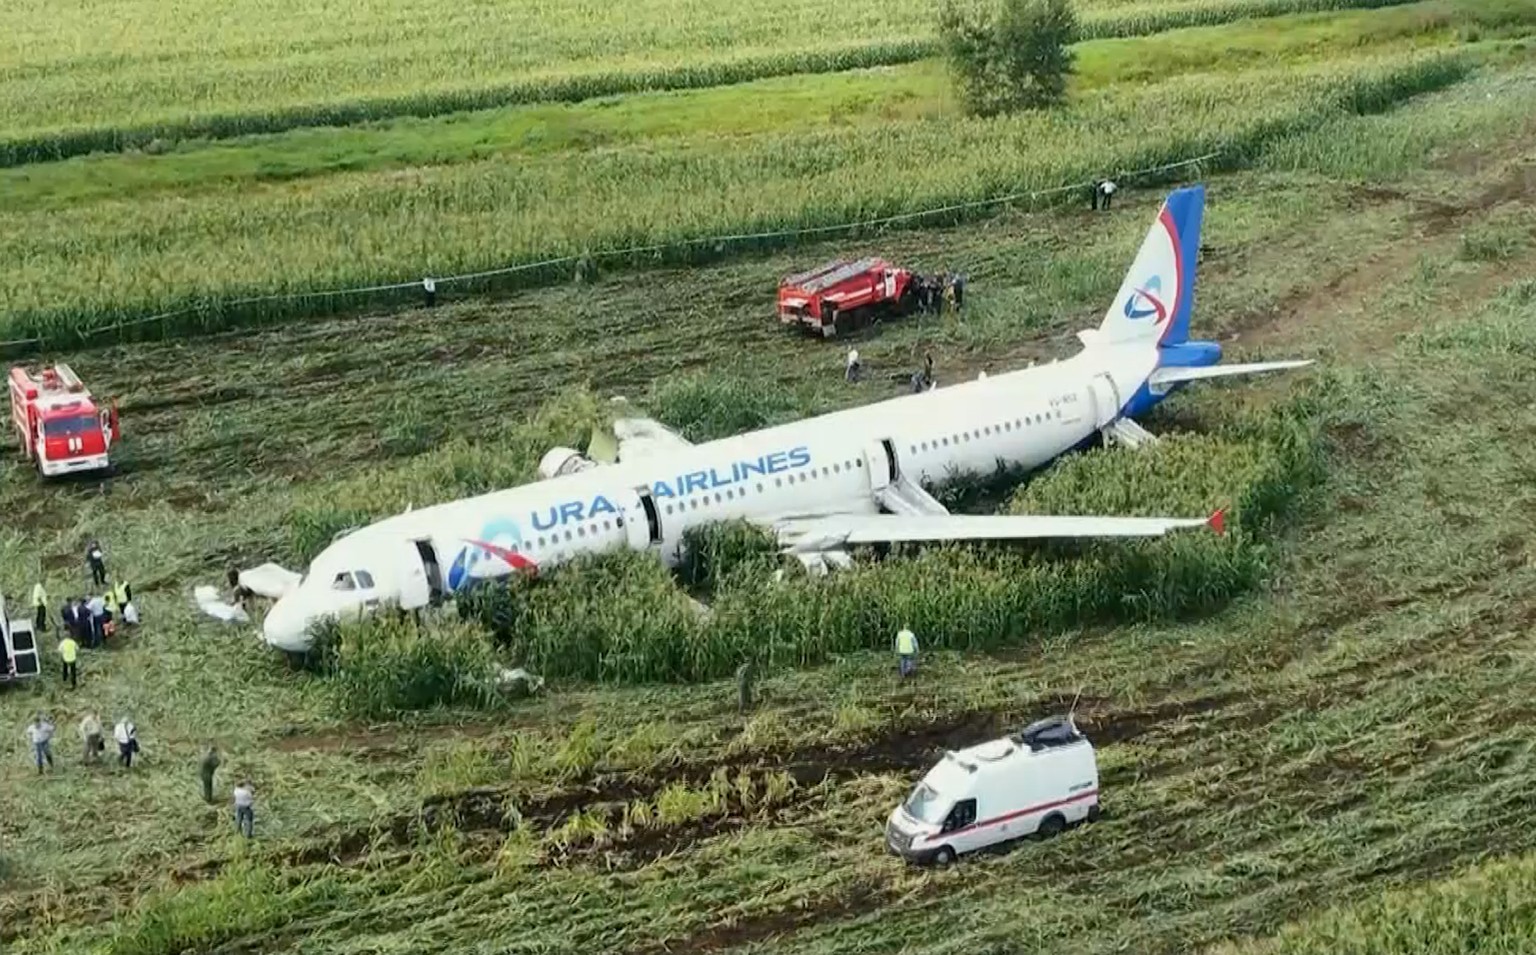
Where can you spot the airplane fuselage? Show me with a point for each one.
(808, 468)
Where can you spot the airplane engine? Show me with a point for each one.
(559, 461)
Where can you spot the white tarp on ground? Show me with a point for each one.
(269, 580)
(209, 602)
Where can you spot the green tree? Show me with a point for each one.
(1008, 55)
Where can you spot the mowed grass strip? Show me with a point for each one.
(795, 104)
(82, 269)
(76, 78)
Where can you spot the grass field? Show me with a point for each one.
(110, 239)
(85, 76)
(1324, 753)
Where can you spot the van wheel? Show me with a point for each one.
(944, 857)
(1052, 825)
(1094, 812)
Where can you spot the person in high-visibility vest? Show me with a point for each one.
(120, 590)
(68, 650)
(906, 651)
(109, 601)
(40, 607)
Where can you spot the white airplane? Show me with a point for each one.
(821, 484)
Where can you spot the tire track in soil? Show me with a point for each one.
(1122, 725)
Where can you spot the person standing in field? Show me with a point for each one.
(90, 737)
(206, 770)
(97, 562)
(906, 652)
(854, 366)
(745, 674)
(40, 735)
(127, 736)
(245, 808)
(39, 608)
(69, 651)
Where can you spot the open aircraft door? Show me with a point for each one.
(1105, 398)
(642, 520)
(880, 462)
(411, 579)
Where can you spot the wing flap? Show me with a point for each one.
(822, 533)
(1169, 376)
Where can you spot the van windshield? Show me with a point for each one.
(924, 804)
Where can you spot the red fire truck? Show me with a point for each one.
(59, 426)
(841, 296)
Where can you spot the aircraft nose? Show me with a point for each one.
(285, 627)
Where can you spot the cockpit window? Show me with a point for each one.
(924, 804)
(353, 580)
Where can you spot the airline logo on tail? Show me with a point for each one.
(1155, 298)
(1147, 301)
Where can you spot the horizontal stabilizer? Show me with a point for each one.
(825, 533)
(1169, 376)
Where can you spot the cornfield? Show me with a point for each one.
(457, 469)
(1487, 909)
(383, 665)
(621, 618)
(80, 269)
(75, 82)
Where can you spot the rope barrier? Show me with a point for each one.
(632, 251)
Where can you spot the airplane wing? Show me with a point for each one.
(644, 437)
(836, 531)
(1168, 376)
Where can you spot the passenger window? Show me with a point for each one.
(567, 535)
(541, 542)
(364, 580)
(618, 522)
(778, 482)
(343, 581)
(964, 814)
(759, 487)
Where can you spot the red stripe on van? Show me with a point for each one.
(1012, 815)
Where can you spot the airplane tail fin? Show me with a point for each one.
(1158, 294)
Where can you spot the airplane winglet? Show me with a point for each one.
(1218, 521)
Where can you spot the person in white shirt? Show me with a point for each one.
(1103, 192)
(854, 367)
(245, 807)
(127, 736)
(40, 735)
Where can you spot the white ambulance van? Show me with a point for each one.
(1040, 780)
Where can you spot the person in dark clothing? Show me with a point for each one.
(959, 291)
(928, 370)
(71, 620)
(206, 770)
(98, 563)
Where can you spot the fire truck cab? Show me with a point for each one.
(57, 422)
